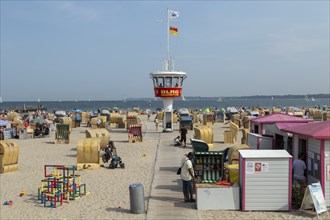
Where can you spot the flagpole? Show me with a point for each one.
(168, 41)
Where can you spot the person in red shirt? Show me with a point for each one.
(26, 123)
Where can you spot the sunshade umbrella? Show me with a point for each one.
(77, 111)
(3, 123)
(105, 111)
(60, 113)
(39, 120)
(207, 110)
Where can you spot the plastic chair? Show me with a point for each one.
(199, 145)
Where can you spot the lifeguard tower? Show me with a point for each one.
(168, 83)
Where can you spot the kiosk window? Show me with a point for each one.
(168, 82)
(160, 82)
(176, 81)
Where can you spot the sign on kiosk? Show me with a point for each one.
(168, 92)
(314, 197)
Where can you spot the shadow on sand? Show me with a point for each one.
(113, 209)
(32, 199)
(49, 142)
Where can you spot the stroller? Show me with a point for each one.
(110, 153)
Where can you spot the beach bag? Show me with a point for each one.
(180, 168)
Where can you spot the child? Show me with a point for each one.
(177, 141)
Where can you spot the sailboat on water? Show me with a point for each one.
(183, 98)
(219, 100)
(309, 99)
(0, 100)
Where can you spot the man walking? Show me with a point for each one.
(183, 140)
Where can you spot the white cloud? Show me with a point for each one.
(77, 11)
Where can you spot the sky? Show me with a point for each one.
(105, 50)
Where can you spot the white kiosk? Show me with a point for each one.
(168, 83)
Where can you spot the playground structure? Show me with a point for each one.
(60, 184)
(88, 154)
(9, 151)
(135, 133)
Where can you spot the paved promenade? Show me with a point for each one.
(166, 197)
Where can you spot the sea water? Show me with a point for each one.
(178, 103)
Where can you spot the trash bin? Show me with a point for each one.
(136, 194)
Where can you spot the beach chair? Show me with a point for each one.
(88, 153)
(135, 133)
(230, 137)
(245, 132)
(101, 133)
(62, 134)
(29, 133)
(9, 152)
(233, 153)
(199, 145)
(204, 133)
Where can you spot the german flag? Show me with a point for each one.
(174, 30)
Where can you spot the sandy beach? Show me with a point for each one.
(109, 188)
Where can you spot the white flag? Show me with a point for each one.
(173, 14)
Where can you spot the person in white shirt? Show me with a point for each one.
(299, 168)
(177, 141)
(187, 176)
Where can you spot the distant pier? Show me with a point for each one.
(27, 108)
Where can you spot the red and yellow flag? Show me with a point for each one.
(174, 30)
